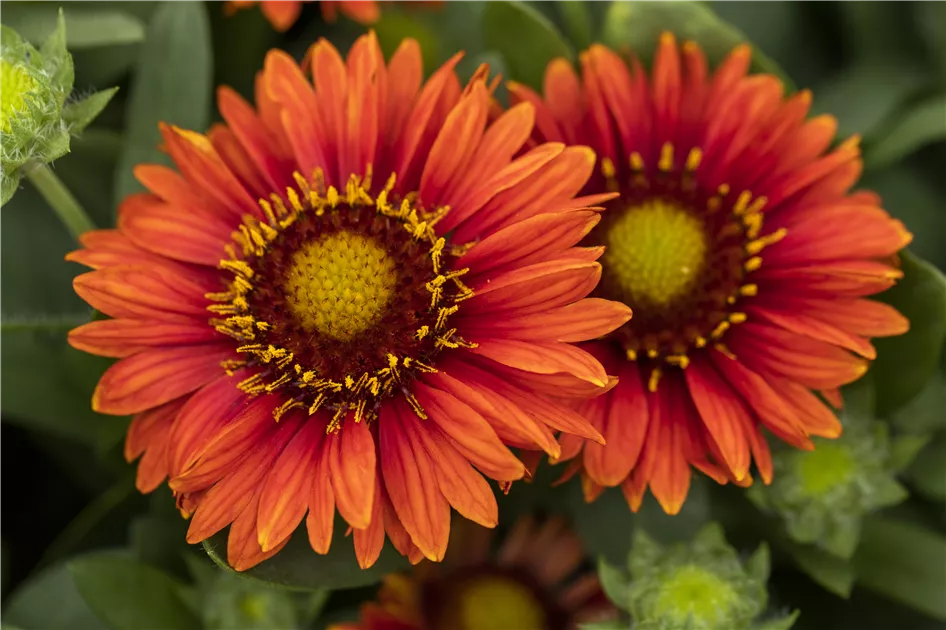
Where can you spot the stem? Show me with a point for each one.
(67, 207)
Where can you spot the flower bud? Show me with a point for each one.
(37, 117)
(702, 585)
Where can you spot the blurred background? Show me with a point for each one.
(68, 497)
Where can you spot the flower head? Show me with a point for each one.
(534, 581)
(282, 14)
(36, 121)
(341, 301)
(746, 259)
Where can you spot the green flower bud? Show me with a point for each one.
(36, 116)
(823, 494)
(703, 585)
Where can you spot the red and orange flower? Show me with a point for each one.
(746, 259)
(534, 581)
(282, 14)
(348, 298)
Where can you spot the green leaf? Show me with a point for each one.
(904, 449)
(925, 412)
(831, 572)
(235, 603)
(80, 114)
(87, 27)
(615, 583)
(904, 562)
(638, 26)
(128, 595)
(49, 601)
(922, 124)
(779, 623)
(928, 472)
(577, 20)
(9, 182)
(759, 564)
(905, 363)
(173, 84)
(396, 26)
(298, 567)
(527, 40)
(930, 23)
(856, 100)
(614, 624)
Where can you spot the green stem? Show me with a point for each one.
(67, 207)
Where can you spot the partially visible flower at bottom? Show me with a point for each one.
(282, 14)
(534, 581)
(301, 329)
(701, 585)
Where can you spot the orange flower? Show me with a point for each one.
(745, 259)
(533, 582)
(371, 328)
(282, 14)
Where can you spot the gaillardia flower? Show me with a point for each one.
(282, 14)
(534, 581)
(744, 256)
(347, 298)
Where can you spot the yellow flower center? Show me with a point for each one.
(655, 252)
(697, 594)
(827, 467)
(16, 85)
(494, 602)
(340, 284)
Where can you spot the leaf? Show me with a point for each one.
(235, 603)
(173, 84)
(829, 571)
(297, 566)
(8, 185)
(87, 27)
(80, 114)
(396, 26)
(925, 412)
(759, 564)
(930, 23)
(928, 472)
(128, 595)
(614, 583)
(922, 124)
(577, 20)
(905, 363)
(638, 26)
(778, 623)
(904, 450)
(527, 40)
(856, 99)
(49, 601)
(904, 562)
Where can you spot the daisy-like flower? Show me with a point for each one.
(534, 581)
(746, 259)
(347, 297)
(282, 14)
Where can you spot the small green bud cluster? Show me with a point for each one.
(702, 585)
(37, 117)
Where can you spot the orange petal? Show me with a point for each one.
(722, 413)
(370, 541)
(624, 427)
(142, 293)
(284, 497)
(243, 551)
(535, 288)
(154, 377)
(353, 466)
(471, 433)
(123, 337)
(585, 319)
(543, 358)
(411, 482)
(321, 519)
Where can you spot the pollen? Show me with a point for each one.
(340, 285)
(17, 85)
(655, 252)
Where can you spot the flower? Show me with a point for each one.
(700, 585)
(282, 14)
(36, 119)
(533, 581)
(371, 328)
(745, 258)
